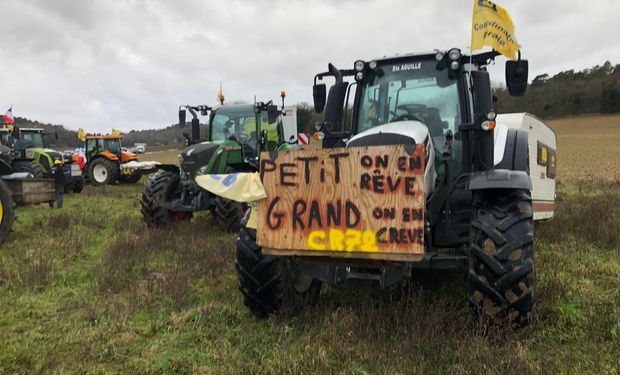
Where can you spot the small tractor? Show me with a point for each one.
(237, 134)
(30, 154)
(107, 163)
(471, 176)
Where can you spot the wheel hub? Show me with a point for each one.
(100, 173)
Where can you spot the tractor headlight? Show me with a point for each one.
(454, 54)
(454, 65)
(359, 65)
(439, 56)
(372, 65)
(488, 125)
(359, 76)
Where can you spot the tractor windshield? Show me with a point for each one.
(114, 146)
(35, 139)
(410, 90)
(240, 124)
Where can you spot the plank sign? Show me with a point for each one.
(359, 202)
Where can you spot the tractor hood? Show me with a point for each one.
(127, 156)
(196, 156)
(402, 132)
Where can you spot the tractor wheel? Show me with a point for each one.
(157, 190)
(78, 185)
(501, 258)
(7, 212)
(228, 213)
(270, 283)
(28, 166)
(102, 172)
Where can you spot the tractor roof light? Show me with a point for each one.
(359, 76)
(454, 65)
(454, 54)
(439, 56)
(372, 65)
(359, 65)
(488, 125)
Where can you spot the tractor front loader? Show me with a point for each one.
(237, 134)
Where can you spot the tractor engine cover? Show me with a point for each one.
(197, 156)
(402, 132)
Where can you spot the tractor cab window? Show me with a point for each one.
(240, 124)
(34, 139)
(410, 90)
(113, 145)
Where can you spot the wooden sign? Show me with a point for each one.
(359, 202)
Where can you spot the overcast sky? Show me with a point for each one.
(128, 64)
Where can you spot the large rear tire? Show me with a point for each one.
(228, 213)
(157, 190)
(28, 166)
(7, 211)
(269, 283)
(501, 258)
(103, 172)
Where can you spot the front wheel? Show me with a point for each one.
(270, 283)
(501, 258)
(160, 188)
(103, 172)
(228, 213)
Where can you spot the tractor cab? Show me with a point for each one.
(108, 146)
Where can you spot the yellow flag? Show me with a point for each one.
(81, 134)
(116, 133)
(492, 26)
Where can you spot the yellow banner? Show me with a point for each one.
(116, 133)
(492, 26)
(239, 187)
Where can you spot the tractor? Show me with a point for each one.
(237, 134)
(475, 186)
(32, 155)
(107, 163)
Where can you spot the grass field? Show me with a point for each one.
(89, 289)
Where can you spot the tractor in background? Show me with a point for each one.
(31, 155)
(237, 134)
(107, 163)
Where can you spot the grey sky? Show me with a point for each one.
(128, 64)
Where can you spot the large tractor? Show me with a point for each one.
(107, 163)
(237, 134)
(31, 155)
(476, 211)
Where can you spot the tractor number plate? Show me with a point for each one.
(360, 202)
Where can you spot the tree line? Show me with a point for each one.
(567, 93)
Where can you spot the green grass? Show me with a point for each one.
(89, 289)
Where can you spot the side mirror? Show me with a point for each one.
(319, 93)
(56, 135)
(181, 118)
(516, 77)
(272, 113)
(15, 132)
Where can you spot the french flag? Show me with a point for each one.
(8, 116)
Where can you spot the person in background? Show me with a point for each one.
(59, 183)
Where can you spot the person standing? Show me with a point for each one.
(59, 183)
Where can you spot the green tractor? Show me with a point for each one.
(237, 134)
(31, 155)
